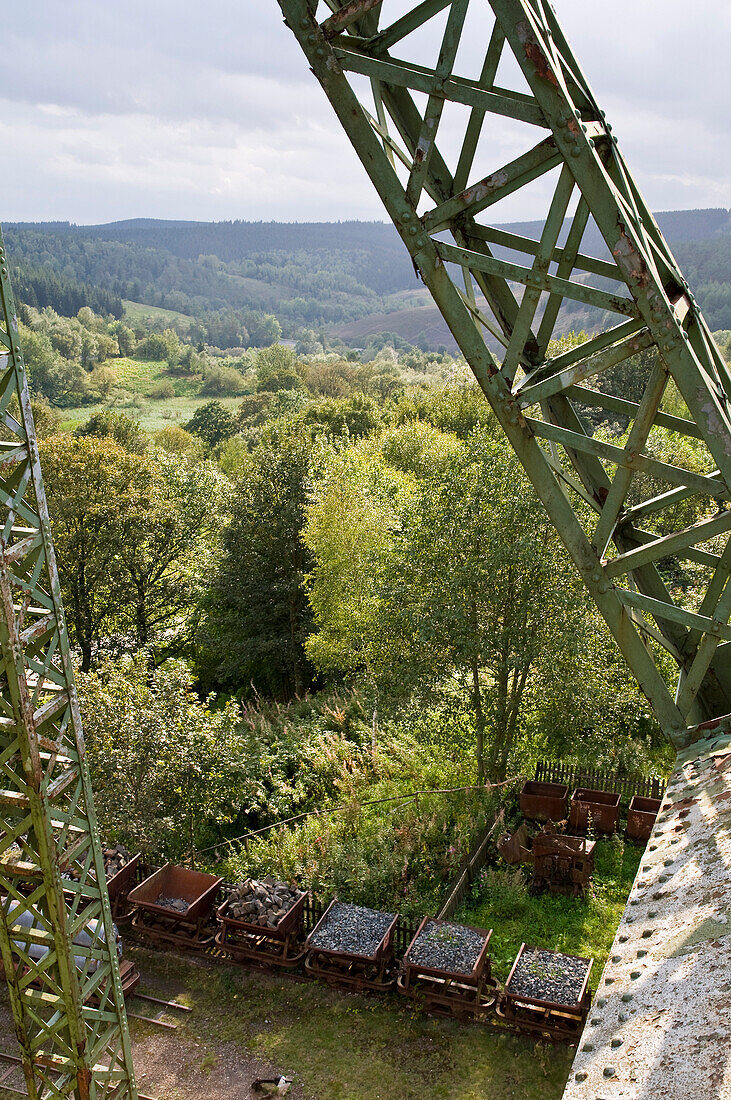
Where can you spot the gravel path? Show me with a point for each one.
(451, 947)
(548, 976)
(351, 928)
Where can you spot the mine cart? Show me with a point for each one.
(547, 994)
(641, 818)
(120, 884)
(249, 942)
(544, 801)
(562, 864)
(447, 968)
(352, 946)
(174, 905)
(600, 808)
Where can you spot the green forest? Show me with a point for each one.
(322, 625)
(350, 282)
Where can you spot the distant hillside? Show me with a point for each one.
(352, 278)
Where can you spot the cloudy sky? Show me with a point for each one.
(175, 109)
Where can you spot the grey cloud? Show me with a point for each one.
(183, 110)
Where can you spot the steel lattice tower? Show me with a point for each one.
(399, 113)
(67, 1000)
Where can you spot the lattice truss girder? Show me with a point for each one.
(498, 289)
(67, 1001)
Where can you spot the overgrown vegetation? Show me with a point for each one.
(322, 624)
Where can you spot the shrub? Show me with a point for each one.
(223, 382)
(153, 347)
(176, 440)
(122, 429)
(163, 391)
(213, 423)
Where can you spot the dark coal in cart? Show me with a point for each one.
(544, 801)
(547, 994)
(174, 905)
(562, 864)
(600, 809)
(353, 946)
(280, 946)
(447, 967)
(641, 817)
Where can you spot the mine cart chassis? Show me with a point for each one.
(451, 995)
(348, 970)
(562, 864)
(197, 935)
(553, 1022)
(545, 1019)
(281, 947)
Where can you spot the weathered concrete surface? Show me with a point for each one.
(660, 1026)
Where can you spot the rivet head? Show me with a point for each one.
(626, 997)
(580, 1076)
(616, 1043)
(609, 1071)
(636, 974)
(588, 1046)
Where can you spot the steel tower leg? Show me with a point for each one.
(66, 999)
(497, 288)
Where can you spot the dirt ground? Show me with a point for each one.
(169, 1065)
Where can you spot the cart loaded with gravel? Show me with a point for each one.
(547, 994)
(447, 969)
(353, 946)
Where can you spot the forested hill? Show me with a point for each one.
(351, 278)
(233, 240)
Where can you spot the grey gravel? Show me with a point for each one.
(351, 928)
(548, 976)
(179, 905)
(450, 947)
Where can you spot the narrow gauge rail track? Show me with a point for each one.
(426, 963)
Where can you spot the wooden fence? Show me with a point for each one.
(619, 782)
(471, 866)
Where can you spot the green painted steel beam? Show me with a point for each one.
(70, 1045)
(579, 158)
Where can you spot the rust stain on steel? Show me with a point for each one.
(340, 19)
(485, 187)
(629, 260)
(535, 53)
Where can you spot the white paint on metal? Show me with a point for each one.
(660, 1025)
